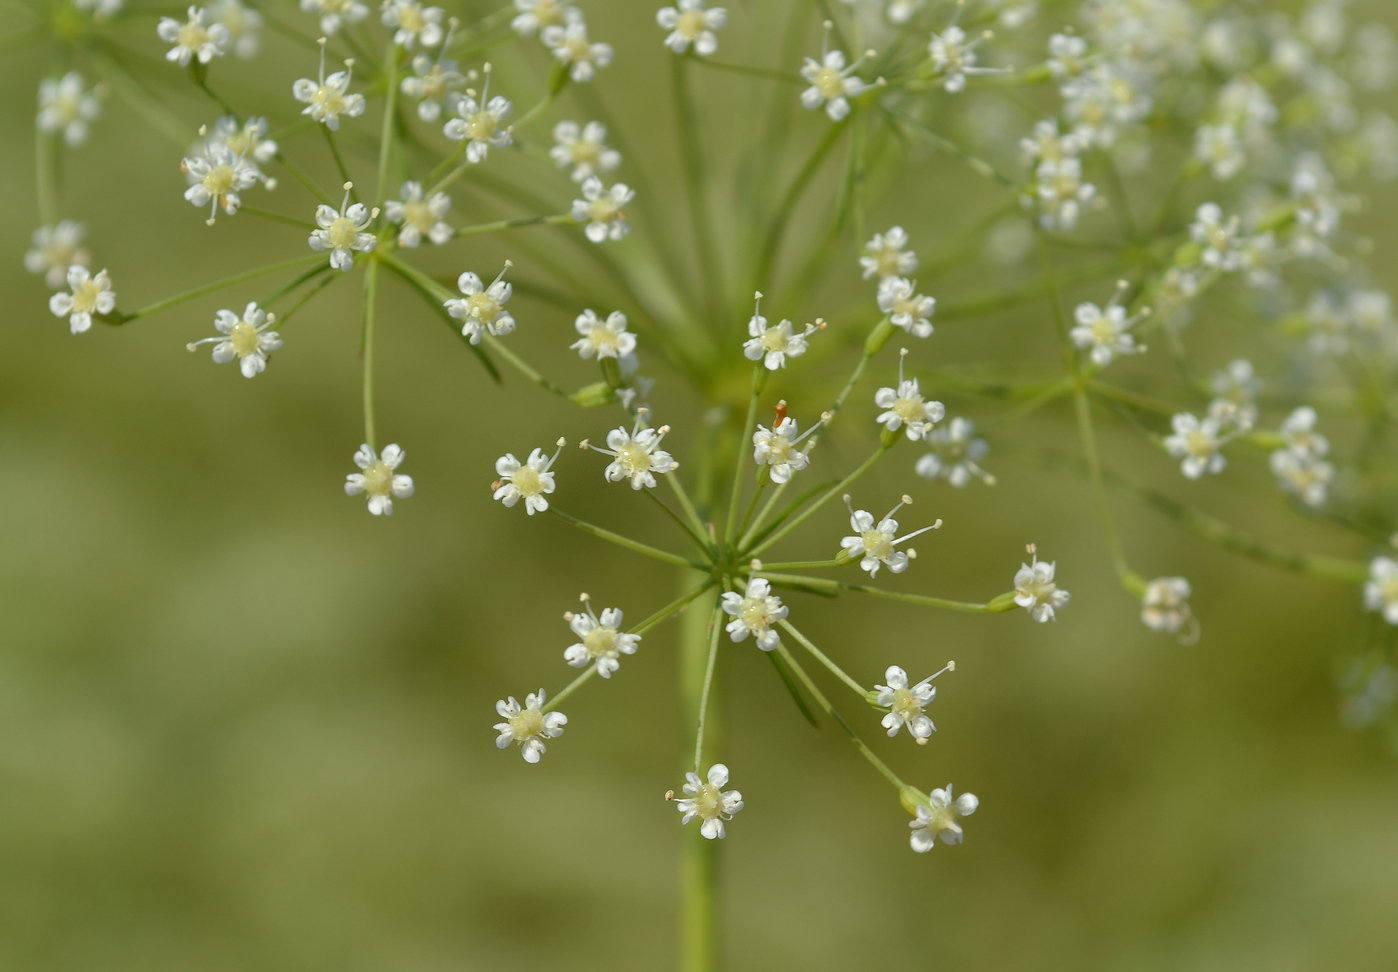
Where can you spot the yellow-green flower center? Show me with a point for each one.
(909, 409)
(378, 479)
(526, 480)
(245, 339)
(830, 83)
(192, 36)
(528, 723)
(483, 307)
(342, 233)
(220, 180)
(85, 296)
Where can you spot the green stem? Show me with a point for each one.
(692, 158)
(562, 219)
(371, 293)
(339, 161)
(307, 297)
(218, 285)
(686, 504)
(730, 527)
(1005, 602)
(836, 670)
(805, 514)
(277, 217)
(390, 111)
(689, 531)
(1099, 491)
(217, 99)
(295, 282)
(44, 158)
(750, 71)
(698, 919)
(305, 180)
(768, 252)
(627, 542)
(715, 628)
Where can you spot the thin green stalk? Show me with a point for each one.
(217, 99)
(753, 72)
(371, 294)
(430, 292)
(538, 109)
(805, 514)
(277, 217)
(752, 505)
(305, 180)
(698, 917)
(136, 98)
(978, 165)
(999, 605)
(757, 531)
(768, 253)
(673, 607)
(570, 688)
(696, 185)
(804, 565)
(218, 285)
(307, 297)
(679, 520)
(339, 161)
(390, 112)
(561, 219)
(836, 670)
(716, 626)
(442, 167)
(1099, 491)
(627, 542)
(730, 527)
(295, 282)
(44, 158)
(686, 504)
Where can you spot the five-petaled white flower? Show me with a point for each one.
(636, 455)
(603, 339)
(709, 801)
(535, 15)
(956, 454)
(342, 231)
(1235, 394)
(600, 209)
(419, 217)
(1196, 443)
(433, 83)
(832, 84)
(90, 294)
(327, 98)
(216, 177)
(601, 640)
(754, 613)
(905, 703)
(480, 123)
(1218, 237)
(248, 141)
(56, 248)
(379, 478)
(245, 338)
(954, 58)
(689, 23)
(243, 24)
(876, 543)
(197, 38)
(1106, 331)
(885, 255)
(1299, 432)
(1302, 474)
(483, 308)
(1381, 590)
(529, 725)
(585, 149)
(937, 818)
(778, 447)
(529, 480)
(773, 345)
(569, 43)
(65, 105)
(415, 23)
(1035, 590)
(898, 298)
(335, 13)
(1165, 606)
(1060, 193)
(905, 406)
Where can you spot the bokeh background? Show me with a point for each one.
(243, 724)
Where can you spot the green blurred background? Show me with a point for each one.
(243, 724)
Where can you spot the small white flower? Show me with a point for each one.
(1371, 312)
(1258, 258)
(1165, 606)
(248, 141)
(600, 209)
(602, 641)
(585, 149)
(937, 818)
(334, 14)
(216, 177)
(954, 58)
(1318, 206)
(709, 801)
(832, 84)
(1303, 474)
(1048, 145)
(535, 15)
(885, 255)
(1381, 590)
(242, 23)
(198, 37)
(529, 480)
(1067, 56)
(1196, 443)
(1106, 331)
(1299, 432)
(1035, 590)
(603, 339)
(434, 84)
(905, 307)
(90, 294)
(754, 613)
(483, 308)
(342, 231)
(54, 249)
(905, 406)
(1235, 394)
(415, 23)
(1218, 238)
(327, 98)
(899, 12)
(689, 24)
(1329, 323)
(905, 703)
(480, 125)
(778, 447)
(773, 345)
(569, 43)
(379, 478)
(419, 217)
(245, 338)
(1220, 148)
(956, 454)
(528, 725)
(100, 9)
(636, 455)
(66, 106)
(876, 544)
(1060, 193)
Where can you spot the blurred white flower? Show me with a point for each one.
(334, 14)
(603, 338)
(197, 38)
(689, 23)
(433, 84)
(242, 23)
(535, 15)
(600, 210)
(1381, 590)
(585, 149)
(66, 106)
(1196, 443)
(419, 217)
(569, 43)
(53, 249)
(1165, 607)
(415, 23)
(885, 255)
(832, 84)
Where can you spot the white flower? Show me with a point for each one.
(1218, 238)
(601, 640)
(955, 454)
(483, 308)
(905, 307)
(773, 345)
(529, 726)
(954, 58)
(1060, 193)
(415, 23)
(90, 294)
(709, 801)
(584, 149)
(899, 12)
(216, 177)
(1196, 442)
(937, 818)
(603, 339)
(379, 478)
(691, 24)
(245, 338)
(876, 544)
(242, 23)
(56, 248)
(248, 141)
(538, 14)
(904, 405)
(570, 45)
(197, 37)
(1303, 474)
(67, 106)
(480, 125)
(1047, 145)
(1299, 432)
(1318, 206)
(100, 9)
(905, 703)
(754, 612)
(528, 480)
(1165, 606)
(600, 209)
(1235, 394)
(1371, 312)
(335, 13)
(342, 231)
(831, 84)
(433, 83)
(1220, 148)
(778, 446)
(1035, 590)
(1257, 259)
(328, 98)
(636, 455)
(1329, 323)
(419, 217)
(1106, 332)
(1381, 590)
(884, 255)
(1067, 56)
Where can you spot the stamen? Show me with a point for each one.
(344, 206)
(322, 42)
(501, 275)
